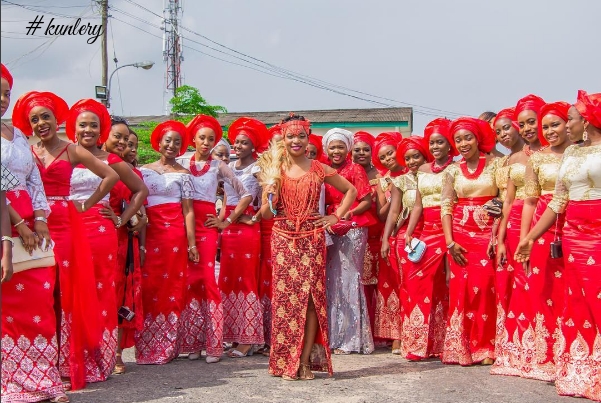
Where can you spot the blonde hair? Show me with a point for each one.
(271, 163)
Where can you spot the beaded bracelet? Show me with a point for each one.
(8, 239)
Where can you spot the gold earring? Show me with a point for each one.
(585, 135)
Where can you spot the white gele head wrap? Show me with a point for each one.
(223, 142)
(337, 134)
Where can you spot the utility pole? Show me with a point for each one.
(104, 5)
(172, 48)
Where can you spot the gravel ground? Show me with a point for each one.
(379, 377)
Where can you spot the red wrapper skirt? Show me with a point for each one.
(202, 317)
(371, 268)
(102, 236)
(388, 316)
(470, 334)
(163, 284)
(29, 343)
(299, 273)
(527, 326)
(426, 306)
(578, 348)
(265, 291)
(238, 282)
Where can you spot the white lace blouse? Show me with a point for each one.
(18, 159)
(84, 183)
(246, 176)
(205, 186)
(170, 187)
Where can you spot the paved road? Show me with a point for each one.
(380, 377)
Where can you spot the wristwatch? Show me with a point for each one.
(229, 220)
(254, 218)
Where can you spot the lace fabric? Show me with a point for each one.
(18, 159)
(248, 181)
(205, 186)
(9, 181)
(541, 174)
(170, 187)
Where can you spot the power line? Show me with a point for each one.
(42, 11)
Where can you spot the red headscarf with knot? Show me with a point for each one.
(508, 113)
(30, 100)
(559, 109)
(165, 127)
(201, 121)
(530, 102)
(7, 76)
(366, 138)
(316, 141)
(95, 107)
(383, 140)
(479, 128)
(591, 107)
(412, 142)
(254, 129)
(440, 126)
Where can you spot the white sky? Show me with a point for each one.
(464, 56)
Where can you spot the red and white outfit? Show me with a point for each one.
(164, 272)
(102, 237)
(239, 269)
(29, 342)
(202, 317)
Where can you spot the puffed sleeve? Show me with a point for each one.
(226, 174)
(448, 196)
(187, 186)
(35, 187)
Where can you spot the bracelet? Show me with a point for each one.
(8, 239)
(119, 222)
(229, 220)
(337, 216)
(142, 248)
(83, 206)
(449, 246)
(191, 247)
(254, 218)
(19, 223)
(42, 219)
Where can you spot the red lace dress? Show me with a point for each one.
(29, 343)
(102, 237)
(371, 262)
(78, 302)
(298, 253)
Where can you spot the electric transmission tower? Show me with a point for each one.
(172, 48)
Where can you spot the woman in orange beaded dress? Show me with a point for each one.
(467, 186)
(300, 341)
(425, 281)
(524, 345)
(578, 194)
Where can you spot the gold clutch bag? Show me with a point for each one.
(24, 261)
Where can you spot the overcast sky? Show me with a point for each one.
(462, 56)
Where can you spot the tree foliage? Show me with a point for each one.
(188, 101)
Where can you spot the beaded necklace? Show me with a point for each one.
(438, 169)
(473, 175)
(195, 171)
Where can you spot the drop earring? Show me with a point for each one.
(585, 135)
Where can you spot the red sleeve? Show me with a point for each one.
(360, 181)
(113, 159)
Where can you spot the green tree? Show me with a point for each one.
(188, 101)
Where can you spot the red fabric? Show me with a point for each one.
(202, 317)
(369, 275)
(388, 317)
(440, 126)
(383, 140)
(254, 129)
(507, 113)
(366, 138)
(413, 143)
(559, 109)
(578, 351)
(29, 343)
(479, 128)
(201, 121)
(427, 295)
(57, 176)
(472, 312)
(239, 282)
(30, 100)
(591, 107)
(166, 264)
(265, 277)
(530, 102)
(275, 130)
(95, 107)
(316, 141)
(165, 127)
(6, 75)
(102, 236)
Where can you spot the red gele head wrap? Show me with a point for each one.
(30, 100)
(383, 140)
(7, 76)
(254, 129)
(440, 126)
(530, 102)
(480, 128)
(316, 141)
(364, 137)
(412, 142)
(95, 107)
(508, 113)
(275, 130)
(165, 127)
(555, 108)
(201, 121)
(591, 107)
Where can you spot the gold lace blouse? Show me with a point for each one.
(517, 173)
(455, 185)
(430, 188)
(541, 174)
(405, 183)
(579, 177)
